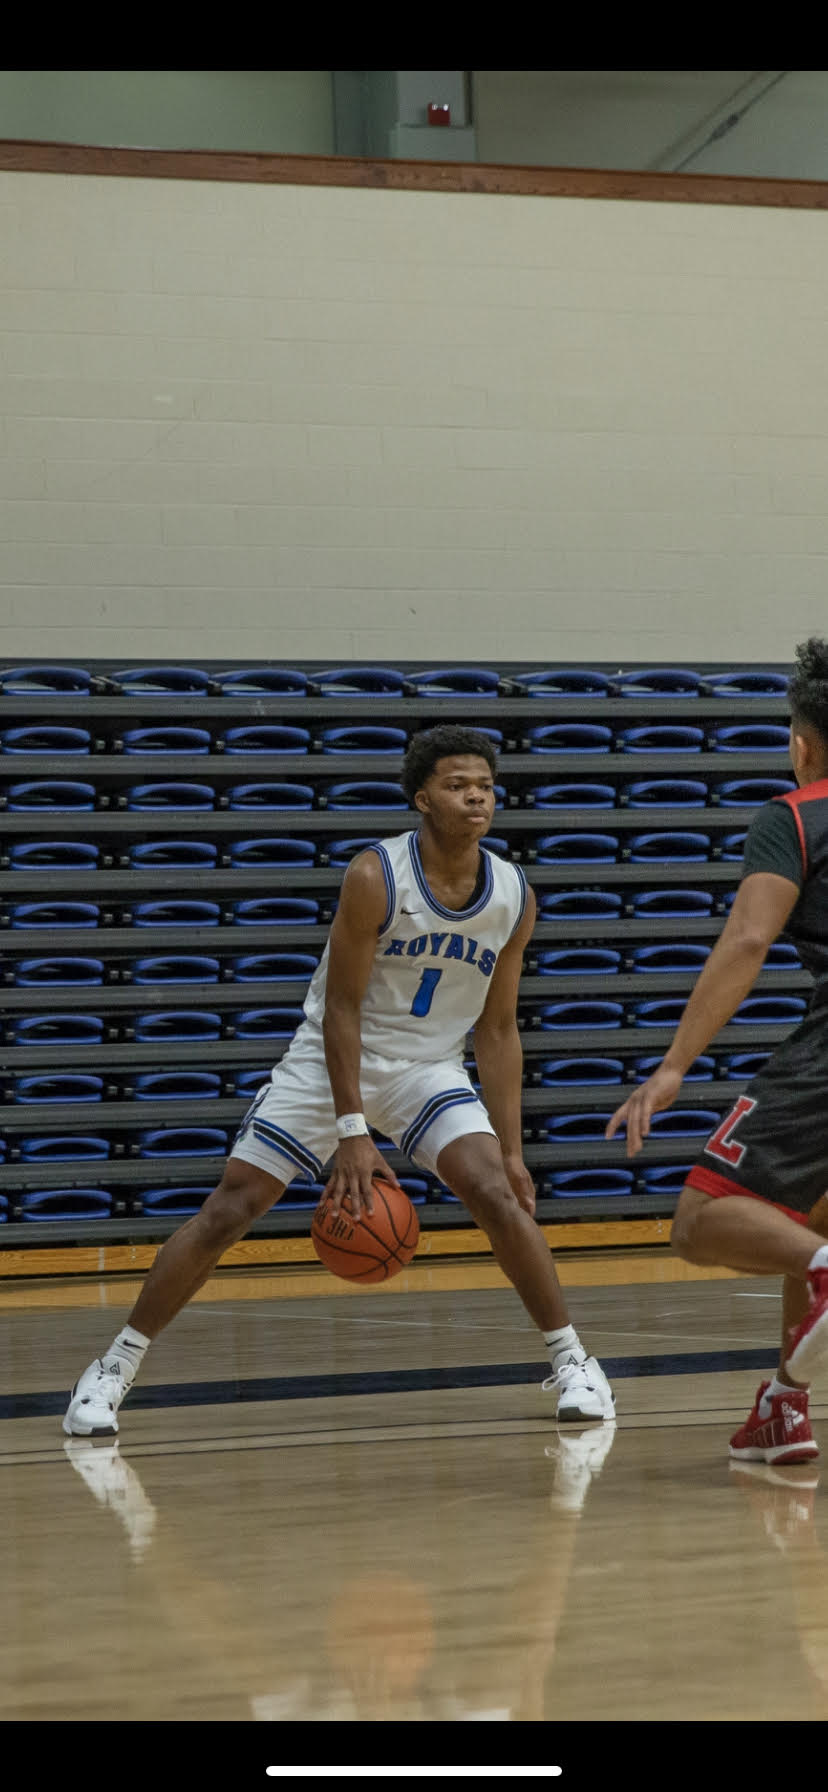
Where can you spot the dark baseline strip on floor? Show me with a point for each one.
(387, 1381)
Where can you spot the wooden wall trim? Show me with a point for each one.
(423, 177)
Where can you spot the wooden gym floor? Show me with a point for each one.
(350, 1506)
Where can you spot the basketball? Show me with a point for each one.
(373, 1248)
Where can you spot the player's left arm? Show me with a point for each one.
(499, 1055)
(760, 909)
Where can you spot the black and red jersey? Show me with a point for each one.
(789, 837)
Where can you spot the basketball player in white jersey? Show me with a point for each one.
(426, 944)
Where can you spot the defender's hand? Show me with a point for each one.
(659, 1091)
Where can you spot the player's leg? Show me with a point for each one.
(289, 1130)
(472, 1167)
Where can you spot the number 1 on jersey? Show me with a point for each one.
(425, 992)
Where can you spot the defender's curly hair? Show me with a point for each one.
(808, 685)
(443, 742)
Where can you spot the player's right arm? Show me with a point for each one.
(363, 901)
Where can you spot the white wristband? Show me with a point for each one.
(351, 1126)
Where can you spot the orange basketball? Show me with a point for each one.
(373, 1248)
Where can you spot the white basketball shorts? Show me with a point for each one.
(290, 1128)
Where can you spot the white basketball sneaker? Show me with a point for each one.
(584, 1394)
(95, 1400)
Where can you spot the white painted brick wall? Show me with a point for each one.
(330, 423)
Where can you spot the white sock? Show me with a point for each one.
(564, 1346)
(820, 1258)
(126, 1352)
(773, 1392)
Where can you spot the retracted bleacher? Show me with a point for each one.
(172, 841)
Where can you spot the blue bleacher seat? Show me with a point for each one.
(268, 1023)
(598, 1182)
(260, 737)
(664, 1179)
(275, 911)
(183, 1141)
(739, 1065)
(361, 681)
(166, 738)
(58, 1086)
(56, 1029)
(274, 966)
(173, 853)
(45, 681)
(677, 955)
(177, 1085)
(363, 740)
(578, 961)
(456, 681)
(262, 681)
(673, 844)
(66, 1204)
(663, 1011)
(673, 793)
(563, 1072)
(55, 1148)
(659, 681)
(172, 1201)
(560, 1128)
(584, 1015)
(39, 737)
(270, 796)
(564, 905)
(782, 956)
(569, 681)
(48, 855)
(702, 1070)
(364, 793)
(176, 911)
(661, 737)
(774, 1010)
(576, 848)
(733, 847)
(573, 795)
(248, 1082)
(570, 737)
(287, 851)
(749, 737)
(672, 902)
(180, 969)
(54, 794)
(162, 681)
(680, 1123)
(54, 914)
(177, 1024)
(171, 795)
(57, 971)
(747, 683)
(495, 843)
(752, 790)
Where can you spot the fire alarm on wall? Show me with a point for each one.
(439, 114)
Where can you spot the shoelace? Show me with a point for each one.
(111, 1387)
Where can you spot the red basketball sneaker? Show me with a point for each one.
(784, 1437)
(808, 1353)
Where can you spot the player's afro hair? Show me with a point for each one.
(808, 685)
(444, 742)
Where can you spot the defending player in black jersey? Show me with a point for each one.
(756, 1200)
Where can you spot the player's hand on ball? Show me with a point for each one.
(356, 1162)
(657, 1092)
(520, 1182)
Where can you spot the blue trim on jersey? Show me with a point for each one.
(524, 894)
(432, 1110)
(390, 886)
(288, 1145)
(449, 914)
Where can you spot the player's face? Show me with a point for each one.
(459, 795)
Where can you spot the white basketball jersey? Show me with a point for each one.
(433, 965)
